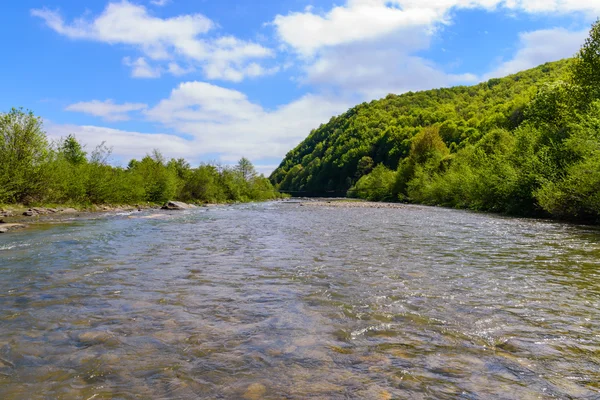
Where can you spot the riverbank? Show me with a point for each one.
(18, 217)
(351, 204)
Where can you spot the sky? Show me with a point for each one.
(217, 80)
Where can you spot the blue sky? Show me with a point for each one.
(215, 80)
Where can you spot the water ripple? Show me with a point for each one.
(282, 301)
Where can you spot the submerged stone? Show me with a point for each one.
(177, 205)
(255, 391)
(95, 337)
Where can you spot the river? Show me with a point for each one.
(284, 301)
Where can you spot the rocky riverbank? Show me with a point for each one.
(4, 227)
(20, 217)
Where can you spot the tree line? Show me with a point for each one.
(527, 144)
(35, 171)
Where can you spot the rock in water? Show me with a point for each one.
(10, 227)
(256, 391)
(176, 205)
(96, 337)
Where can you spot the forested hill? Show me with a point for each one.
(380, 132)
(527, 144)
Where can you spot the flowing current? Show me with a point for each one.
(284, 301)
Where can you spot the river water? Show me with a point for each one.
(283, 301)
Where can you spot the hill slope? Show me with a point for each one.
(337, 154)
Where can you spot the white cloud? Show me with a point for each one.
(162, 40)
(107, 110)
(178, 70)
(590, 7)
(203, 102)
(265, 169)
(253, 70)
(216, 120)
(538, 47)
(141, 69)
(375, 69)
(308, 32)
(225, 121)
(358, 20)
(128, 23)
(160, 3)
(125, 144)
(370, 47)
(229, 54)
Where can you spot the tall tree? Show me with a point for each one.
(586, 66)
(72, 150)
(246, 169)
(23, 152)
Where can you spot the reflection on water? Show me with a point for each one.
(282, 301)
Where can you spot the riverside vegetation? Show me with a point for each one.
(35, 171)
(527, 144)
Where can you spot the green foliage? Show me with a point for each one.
(159, 180)
(331, 157)
(427, 145)
(553, 105)
(576, 192)
(246, 169)
(72, 151)
(202, 184)
(586, 66)
(577, 195)
(365, 166)
(426, 154)
(33, 171)
(24, 151)
(376, 186)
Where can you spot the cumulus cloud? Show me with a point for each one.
(213, 119)
(539, 47)
(162, 40)
(141, 69)
(362, 20)
(178, 70)
(359, 20)
(373, 70)
(125, 144)
(589, 7)
(107, 109)
(225, 121)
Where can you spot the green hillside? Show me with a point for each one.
(328, 159)
(526, 144)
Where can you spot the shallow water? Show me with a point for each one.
(277, 301)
